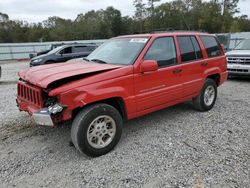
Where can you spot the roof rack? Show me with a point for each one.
(173, 30)
(165, 30)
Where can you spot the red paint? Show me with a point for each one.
(140, 92)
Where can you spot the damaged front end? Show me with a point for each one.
(37, 86)
(45, 110)
(49, 116)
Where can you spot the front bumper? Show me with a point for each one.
(238, 69)
(43, 117)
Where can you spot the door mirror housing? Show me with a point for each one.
(148, 66)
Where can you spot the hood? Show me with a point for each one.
(238, 53)
(39, 56)
(44, 75)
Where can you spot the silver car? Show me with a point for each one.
(238, 60)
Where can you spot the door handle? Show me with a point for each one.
(177, 71)
(204, 63)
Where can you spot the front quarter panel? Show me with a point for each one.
(78, 94)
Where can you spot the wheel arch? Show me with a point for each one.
(52, 61)
(215, 77)
(117, 102)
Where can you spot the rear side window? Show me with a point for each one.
(80, 49)
(212, 46)
(196, 48)
(189, 48)
(163, 51)
(91, 48)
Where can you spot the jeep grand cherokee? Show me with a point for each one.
(126, 77)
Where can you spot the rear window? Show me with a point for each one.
(189, 48)
(212, 46)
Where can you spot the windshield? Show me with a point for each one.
(244, 45)
(55, 50)
(119, 51)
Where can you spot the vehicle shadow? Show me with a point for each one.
(239, 78)
(7, 82)
(152, 119)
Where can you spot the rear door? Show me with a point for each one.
(192, 64)
(80, 51)
(215, 55)
(162, 86)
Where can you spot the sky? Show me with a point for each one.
(39, 10)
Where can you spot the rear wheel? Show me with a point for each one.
(207, 97)
(96, 129)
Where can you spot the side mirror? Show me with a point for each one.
(148, 66)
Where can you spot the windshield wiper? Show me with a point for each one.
(99, 61)
(85, 59)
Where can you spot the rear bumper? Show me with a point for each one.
(238, 69)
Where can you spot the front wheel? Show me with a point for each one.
(207, 97)
(96, 129)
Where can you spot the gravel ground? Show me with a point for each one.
(175, 147)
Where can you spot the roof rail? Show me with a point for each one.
(173, 30)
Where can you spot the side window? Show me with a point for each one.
(212, 46)
(80, 49)
(196, 48)
(67, 50)
(91, 48)
(189, 48)
(163, 51)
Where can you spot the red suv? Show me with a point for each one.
(124, 78)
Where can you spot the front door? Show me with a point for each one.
(161, 87)
(65, 54)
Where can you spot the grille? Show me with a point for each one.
(237, 70)
(239, 60)
(30, 93)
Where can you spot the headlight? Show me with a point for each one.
(37, 60)
(56, 108)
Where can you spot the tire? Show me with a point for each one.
(209, 91)
(96, 129)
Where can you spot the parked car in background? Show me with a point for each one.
(51, 47)
(239, 59)
(63, 53)
(126, 77)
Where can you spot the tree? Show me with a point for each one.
(212, 16)
(229, 8)
(151, 8)
(113, 18)
(140, 11)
